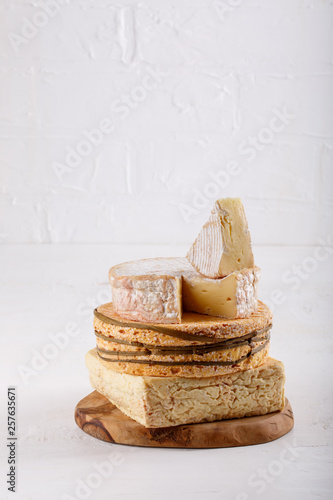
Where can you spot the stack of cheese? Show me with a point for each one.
(185, 339)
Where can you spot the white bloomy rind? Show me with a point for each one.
(155, 300)
(157, 290)
(247, 291)
(224, 243)
(148, 290)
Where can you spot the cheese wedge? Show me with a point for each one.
(157, 290)
(234, 296)
(224, 243)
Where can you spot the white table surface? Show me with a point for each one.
(45, 288)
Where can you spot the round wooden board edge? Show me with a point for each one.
(245, 431)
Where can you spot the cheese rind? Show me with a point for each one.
(224, 243)
(156, 291)
(193, 325)
(169, 401)
(148, 290)
(234, 296)
(152, 300)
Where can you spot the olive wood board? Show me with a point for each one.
(96, 416)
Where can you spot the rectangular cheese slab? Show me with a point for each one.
(224, 243)
(158, 290)
(169, 401)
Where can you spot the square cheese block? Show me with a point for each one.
(169, 401)
(224, 243)
(158, 290)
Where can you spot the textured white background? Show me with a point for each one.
(226, 64)
(228, 68)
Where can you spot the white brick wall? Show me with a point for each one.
(194, 90)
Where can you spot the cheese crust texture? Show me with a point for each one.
(158, 290)
(169, 401)
(108, 322)
(224, 243)
(201, 346)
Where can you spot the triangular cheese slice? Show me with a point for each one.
(224, 243)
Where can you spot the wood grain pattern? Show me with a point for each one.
(96, 416)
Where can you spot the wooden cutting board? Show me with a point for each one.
(96, 416)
